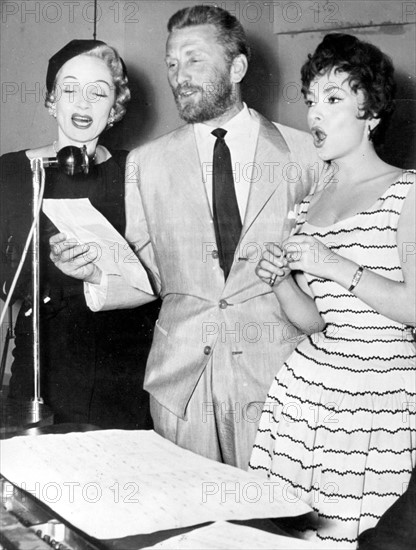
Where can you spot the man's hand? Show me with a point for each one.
(75, 260)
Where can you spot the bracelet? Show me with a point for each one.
(356, 278)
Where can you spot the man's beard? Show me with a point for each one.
(215, 99)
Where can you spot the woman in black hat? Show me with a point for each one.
(92, 364)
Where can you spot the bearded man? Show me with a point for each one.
(202, 202)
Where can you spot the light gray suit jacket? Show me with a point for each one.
(238, 322)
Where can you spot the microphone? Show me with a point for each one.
(71, 160)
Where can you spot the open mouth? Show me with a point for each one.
(81, 121)
(185, 92)
(319, 136)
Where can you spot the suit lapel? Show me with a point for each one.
(186, 171)
(272, 154)
(271, 157)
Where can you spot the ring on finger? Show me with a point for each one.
(272, 279)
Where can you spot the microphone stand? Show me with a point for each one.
(18, 415)
(37, 168)
(71, 160)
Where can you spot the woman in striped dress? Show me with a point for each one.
(338, 425)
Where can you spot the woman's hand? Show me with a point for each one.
(75, 260)
(307, 254)
(272, 268)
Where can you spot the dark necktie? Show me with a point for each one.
(227, 222)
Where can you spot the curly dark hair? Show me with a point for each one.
(230, 32)
(369, 70)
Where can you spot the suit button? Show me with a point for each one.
(215, 254)
(223, 304)
(207, 350)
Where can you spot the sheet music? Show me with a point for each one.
(79, 220)
(116, 483)
(223, 536)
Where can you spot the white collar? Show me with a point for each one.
(242, 120)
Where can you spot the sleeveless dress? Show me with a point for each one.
(338, 429)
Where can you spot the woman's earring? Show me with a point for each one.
(110, 121)
(370, 133)
(52, 110)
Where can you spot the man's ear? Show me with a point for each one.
(238, 68)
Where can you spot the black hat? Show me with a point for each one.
(72, 49)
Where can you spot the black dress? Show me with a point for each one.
(92, 364)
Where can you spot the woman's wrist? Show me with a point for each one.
(343, 271)
(286, 284)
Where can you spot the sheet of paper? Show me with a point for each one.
(79, 220)
(115, 483)
(223, 536)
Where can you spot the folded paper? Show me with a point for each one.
(80, 221)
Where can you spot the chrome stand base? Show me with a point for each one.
(17, 416)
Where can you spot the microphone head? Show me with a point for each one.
(73, 160)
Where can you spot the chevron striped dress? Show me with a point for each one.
(338, 429)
